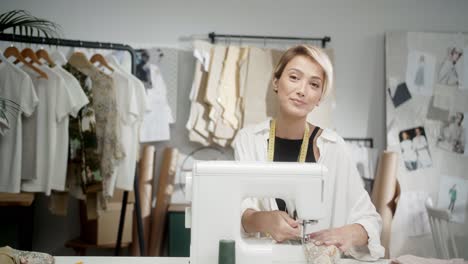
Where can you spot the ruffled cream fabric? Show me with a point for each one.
(321, 254)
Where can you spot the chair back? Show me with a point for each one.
(441, 234)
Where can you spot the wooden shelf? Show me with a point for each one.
(16, 199)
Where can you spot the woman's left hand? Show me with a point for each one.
(343, 237)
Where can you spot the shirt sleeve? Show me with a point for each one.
(241, 153)
(63, 101)
(362, 212)
(29, 99)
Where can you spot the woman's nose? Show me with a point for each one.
(301, 89)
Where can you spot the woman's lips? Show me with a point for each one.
(297, 101)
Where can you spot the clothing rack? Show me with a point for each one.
(213, 37)
(95, 45)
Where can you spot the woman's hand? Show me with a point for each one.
(343, 237)
(282, 227)
(278, 224)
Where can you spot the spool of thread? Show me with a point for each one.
(227, 252)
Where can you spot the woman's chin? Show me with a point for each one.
(295, 112)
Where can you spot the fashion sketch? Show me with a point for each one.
(419, 78)
(448, 74)
(452, 135)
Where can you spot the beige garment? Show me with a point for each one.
(229, 86)
(196, 137)
(242, 76)
(199, 120)
(202, 118)
(260, 69)
(215, 69)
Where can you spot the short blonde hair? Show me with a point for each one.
(316, 54)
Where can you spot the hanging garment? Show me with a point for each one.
(95, 145)
(212, 94)
(17, 99)
(128, 115)
(201, 134)
(258, 81)
(137, 107)
(202, 53)
(156, 123)
(78, 101)
(55, 103)
(229, 87)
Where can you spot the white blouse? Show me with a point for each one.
(348, 201)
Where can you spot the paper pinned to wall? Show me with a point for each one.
(453, 195)
(420, 72)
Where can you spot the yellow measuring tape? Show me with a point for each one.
(271, 142)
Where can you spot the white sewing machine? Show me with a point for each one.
(216, 190)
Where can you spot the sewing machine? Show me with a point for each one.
(216, 190)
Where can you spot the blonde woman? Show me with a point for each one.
(302, 79)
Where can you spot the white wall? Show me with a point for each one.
(356, 27)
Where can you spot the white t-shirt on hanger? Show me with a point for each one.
(156, 123)
(130, 131)
(128, 114)
(78, 99)
(41, 129)
(17, 98)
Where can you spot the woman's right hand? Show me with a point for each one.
(278, 224)
(282, 227)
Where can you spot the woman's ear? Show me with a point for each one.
(275, 85)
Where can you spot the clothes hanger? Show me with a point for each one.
(29, 53)
(12, 51)
(78, 59)
(43, 54)
(101, 60)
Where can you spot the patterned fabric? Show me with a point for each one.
(9, 255)
(321, 254)
(94, 141)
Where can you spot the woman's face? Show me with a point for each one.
(299, 86)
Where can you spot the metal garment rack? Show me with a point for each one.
(95, 45)
(213, 37)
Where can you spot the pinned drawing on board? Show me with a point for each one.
(420, 73)
(450, 69)
(452, 135)
(453, 196)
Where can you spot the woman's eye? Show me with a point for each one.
(315, 85)
(293, 77)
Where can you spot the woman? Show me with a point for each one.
(452, 137)
(422, 149)
(408, 152)
(302, 79)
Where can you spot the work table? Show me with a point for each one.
(157, 260)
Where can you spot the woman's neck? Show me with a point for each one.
(290, 128)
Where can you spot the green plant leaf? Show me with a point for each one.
(20, 21)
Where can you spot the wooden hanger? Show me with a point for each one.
(14, 52)
(43, 54)
(79, 60)
(99, 58)
(29, 53)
